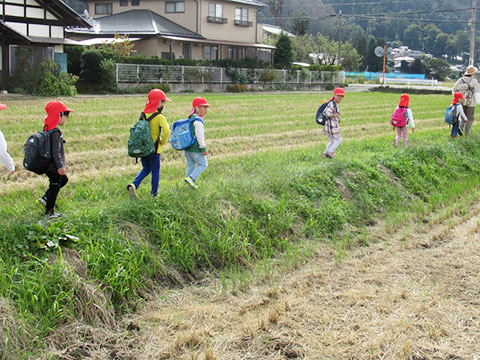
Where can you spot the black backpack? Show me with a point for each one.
(37, 152)
(320, 119)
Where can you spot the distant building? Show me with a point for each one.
(190, 29)
(273, 32)
(38, 25)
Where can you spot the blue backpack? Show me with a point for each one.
(451, 115)
(182, 135)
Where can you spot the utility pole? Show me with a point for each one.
(472, 35)
(340, 37)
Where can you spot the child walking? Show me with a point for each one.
(459, 118)
(57, 115)
(196, 154)
(5, 158)
(331, 128)
(402, 118)
(160, 131)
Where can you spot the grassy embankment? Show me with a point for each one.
(267, 191)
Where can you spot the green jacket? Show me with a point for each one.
(196, 147)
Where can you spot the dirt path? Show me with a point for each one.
(397, 299)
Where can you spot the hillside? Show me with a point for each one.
(436, 27)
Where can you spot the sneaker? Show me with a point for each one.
(43, 201)
(53, 215)
(189, 181)
(460, 132)
(329, 155)
(131, 191)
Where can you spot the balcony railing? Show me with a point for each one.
(243, 23)
(217, 20)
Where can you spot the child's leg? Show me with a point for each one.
(56, 183)
(202, 164)
(331, 140)
(144, 172)
(336, 143)
(155, 168)
(190, 163)
(404, 130)
(454, 130)
(397, 137)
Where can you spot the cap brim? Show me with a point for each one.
(3, 106)
(167, 99)
(68, 110)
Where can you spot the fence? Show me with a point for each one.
(142, 73)
(408, 82)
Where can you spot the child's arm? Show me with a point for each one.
(5, 158)
(461, 113)
(200, 136)
(411, 121)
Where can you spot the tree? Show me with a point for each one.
(304, 45)
(417, 67)
(351, 60)
(440, 44)
(276, 7)
(284, 54)
(300, 24)
(361, 46)
(438, 68)
(404, 68)
(413, 37)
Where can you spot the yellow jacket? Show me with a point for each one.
(160, 130)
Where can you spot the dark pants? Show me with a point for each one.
(57, 181)
(455, 129)
(470, 113)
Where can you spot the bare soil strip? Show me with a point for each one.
(396, 299)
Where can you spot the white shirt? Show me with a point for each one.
(5, 158)
(410, 122)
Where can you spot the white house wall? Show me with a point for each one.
(18, 27)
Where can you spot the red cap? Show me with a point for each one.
(339, 91)
(3, 106)
(404, 100)
(199, 101)
(456, 96)
(53, 109)
(154, 98)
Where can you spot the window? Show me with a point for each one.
(135, 2)
(103, 9)
(123, 2)
(210, 52)
(215, 13)
(33, 55)
(241, 17)
(241, 14)
(215, 10)
(175, 6)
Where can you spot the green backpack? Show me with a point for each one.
(140, 143)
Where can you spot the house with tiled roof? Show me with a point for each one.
(189, 29)
(38, 25)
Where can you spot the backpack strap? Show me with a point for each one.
(144, 117)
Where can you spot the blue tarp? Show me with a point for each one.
(375, 75)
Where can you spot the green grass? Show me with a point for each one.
(267, 194)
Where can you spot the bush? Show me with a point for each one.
(53, 82)
(46, 79)
(98, 72)
(237, 88)
(267, 75)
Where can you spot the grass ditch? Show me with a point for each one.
(108, 254)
